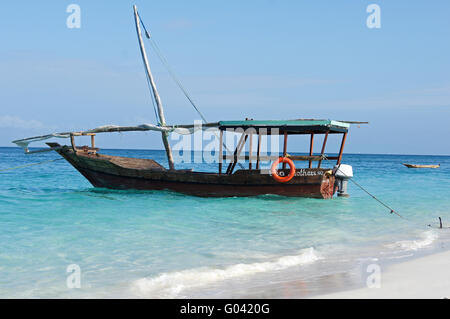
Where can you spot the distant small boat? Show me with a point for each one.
(421, 166)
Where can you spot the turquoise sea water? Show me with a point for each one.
(162, 244)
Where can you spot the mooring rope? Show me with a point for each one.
(32, 164)
(392, 211)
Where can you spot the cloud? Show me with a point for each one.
(7, 121)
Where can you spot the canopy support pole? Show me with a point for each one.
(344, 137)
(220, 152)
(285, 147)
(258, 151)
(323, 147)
(237, 151)
(311, 145)
(162, 119)
(250, 151)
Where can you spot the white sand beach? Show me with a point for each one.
(424, 277)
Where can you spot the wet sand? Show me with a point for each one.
(424, 277)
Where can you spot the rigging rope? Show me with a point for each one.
(170, 71)
(32, 164)
(174, 77)
(152, 97)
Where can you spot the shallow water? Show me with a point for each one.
(164, 244)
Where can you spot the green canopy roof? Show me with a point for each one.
(290, 126)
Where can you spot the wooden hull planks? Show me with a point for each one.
(116, 172)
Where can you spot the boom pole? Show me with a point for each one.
(154, 90)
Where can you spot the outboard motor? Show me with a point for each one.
(343, 173)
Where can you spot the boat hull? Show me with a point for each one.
(421, 166)
(116, 172)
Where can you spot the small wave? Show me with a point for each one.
(427, 238)
(401, 256)
(170, 285)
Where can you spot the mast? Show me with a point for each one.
(154, 90)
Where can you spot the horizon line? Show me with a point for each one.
(147, 149)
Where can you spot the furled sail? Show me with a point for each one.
(179, 129)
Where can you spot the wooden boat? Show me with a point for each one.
(146, 174)
(421, 166)
(116, 172)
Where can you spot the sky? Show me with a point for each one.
(267, 59)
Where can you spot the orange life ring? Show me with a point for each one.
(274, 170)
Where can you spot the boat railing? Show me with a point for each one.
(85, 149)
